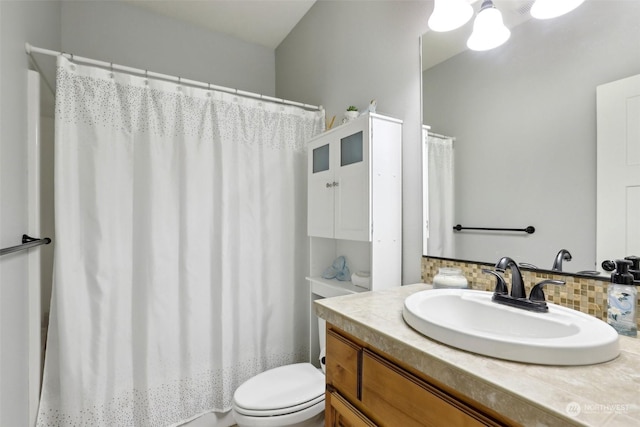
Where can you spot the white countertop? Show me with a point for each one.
(607, 394)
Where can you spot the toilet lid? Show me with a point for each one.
(289, 386)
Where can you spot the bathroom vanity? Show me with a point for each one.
(362, 381)
(382, 372)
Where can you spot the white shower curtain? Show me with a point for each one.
(180, 248)
(441, 197)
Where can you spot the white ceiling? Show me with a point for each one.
(263, 22)
(438, 47)
(268, 22)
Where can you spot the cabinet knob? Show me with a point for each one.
(335, 184)
(329, 185)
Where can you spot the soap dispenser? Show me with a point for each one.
(622, 296)
(634, 268)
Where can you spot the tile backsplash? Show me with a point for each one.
(582, 293)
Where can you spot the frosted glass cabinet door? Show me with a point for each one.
(320, 202)
(339, 199)
(352, 191)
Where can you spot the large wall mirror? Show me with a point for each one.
(523, 121)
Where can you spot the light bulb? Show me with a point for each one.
(449, 14)
(489, 30)
(547, 9)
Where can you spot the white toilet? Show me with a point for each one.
(290, 395)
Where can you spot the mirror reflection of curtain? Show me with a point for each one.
(440, 187)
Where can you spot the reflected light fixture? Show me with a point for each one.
(547, 9)
(489, 30)
(449, 14)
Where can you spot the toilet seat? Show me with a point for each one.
(279, 411)
(312, 416)
(280, 391)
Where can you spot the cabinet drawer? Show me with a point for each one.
(341, 413)
(401, 399)
(343, 360)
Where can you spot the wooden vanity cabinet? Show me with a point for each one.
(340, 413)
(366, 389)
(343, 367)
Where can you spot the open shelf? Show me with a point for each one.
(332, 288)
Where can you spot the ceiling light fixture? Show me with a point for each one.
(547, 9)
(449, 14)
(489, 30)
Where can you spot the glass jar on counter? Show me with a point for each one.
(450, 277)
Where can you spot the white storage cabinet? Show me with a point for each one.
(355, 200)
(355, 207)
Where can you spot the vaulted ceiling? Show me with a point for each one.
(263, 22)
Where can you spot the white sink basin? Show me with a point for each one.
(470, 321)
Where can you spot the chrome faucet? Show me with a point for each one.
(517, 285)
(563, 254)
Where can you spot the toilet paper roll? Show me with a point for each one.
(323, 363)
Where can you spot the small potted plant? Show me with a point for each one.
(351, 113)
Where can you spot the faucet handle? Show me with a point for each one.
(537, 294)
(527, 265)
(501, 285)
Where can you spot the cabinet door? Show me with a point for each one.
(340, 413)
(352, 187)
(320, 198)
(343, 364)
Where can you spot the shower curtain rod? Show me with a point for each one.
(437, 135)
(110, 65)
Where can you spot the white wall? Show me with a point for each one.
(347, 53)
(37, 22)
(524, 116)
(1, 144)
(128, 35)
